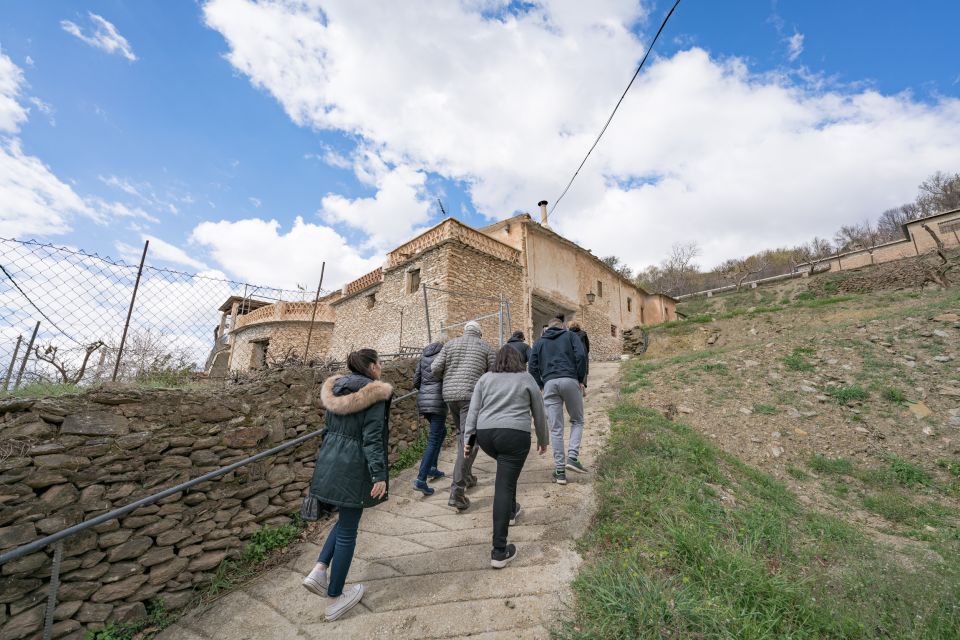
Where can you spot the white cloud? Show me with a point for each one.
(123, 185)
(259, 251)
(12, 113)
(256, 202)
(35, 202)
(794, 46)
(28, 61)
(162, 251)
(702, 149)
(43, 108)
(103, 36)
(391, 215)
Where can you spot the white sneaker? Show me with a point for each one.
(513, 519)
(317, 582)
(347, 600)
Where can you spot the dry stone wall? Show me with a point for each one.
(65, 460)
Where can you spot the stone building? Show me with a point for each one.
(449, 274)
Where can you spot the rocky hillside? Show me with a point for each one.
(851, 399)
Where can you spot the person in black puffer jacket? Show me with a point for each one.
(351, 471)
(517, 342)
(431, 406)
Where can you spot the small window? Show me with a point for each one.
(613, 331)
(629, 305)
(258, 353)
(599, 288)
(371, 300)
(413, 280)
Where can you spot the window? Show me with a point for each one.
(413, 280)
(629, 305)
(599, 288)
(371, 300)
(950, 225)
(258, 353)
(613, 331)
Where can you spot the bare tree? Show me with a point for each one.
(938, 193)
(940, 273)
(812, 254)
(618, 265)
(49, 355)
(679, 266)
(740, 270)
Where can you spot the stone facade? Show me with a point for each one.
(66, 460)
(537, 272)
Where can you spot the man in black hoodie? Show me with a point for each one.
(558, 363)
(517, 342)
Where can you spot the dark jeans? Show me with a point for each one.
(463, 466)
(509, 447)
(438, 431)
(337, 552)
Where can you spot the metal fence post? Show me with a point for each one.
(133, 298)
(426, 314)
(509, 319)
(500, 321)
(13, 361)
(313, 316)
(26, 356)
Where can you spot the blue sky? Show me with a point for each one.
(197, 144)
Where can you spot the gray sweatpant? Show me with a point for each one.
(464, 465)
(558, 393)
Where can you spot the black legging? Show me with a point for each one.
(509, 447)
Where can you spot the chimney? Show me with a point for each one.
(543, 212)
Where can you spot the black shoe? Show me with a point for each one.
(459, 502)
(471, 481)
(500, 559)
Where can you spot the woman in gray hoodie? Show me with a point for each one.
(499, 422)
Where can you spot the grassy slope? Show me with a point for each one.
(690, 542)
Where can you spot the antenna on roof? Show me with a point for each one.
(442, 210)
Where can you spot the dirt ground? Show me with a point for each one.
(868, 382)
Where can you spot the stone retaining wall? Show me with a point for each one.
(65, 460)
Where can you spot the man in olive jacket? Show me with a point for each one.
(460, 364)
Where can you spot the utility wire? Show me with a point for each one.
(33, 304)
(624, 95)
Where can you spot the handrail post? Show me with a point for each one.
(54, 588)
(133, 298)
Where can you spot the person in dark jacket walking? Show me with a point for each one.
(558, 363)
(460, 363)
(574, 328)
(499, 419)
(518, 342)
(351, 471)
(431, 406)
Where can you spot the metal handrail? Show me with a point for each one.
(58, 537)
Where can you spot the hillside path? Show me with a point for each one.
(426, 568)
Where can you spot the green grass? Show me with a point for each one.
(835, 466)
(715, 367)
(823, 302)
(796, 473)
(667, 558)
(411, 455)
(952, 466)
(846, 394)
(765, 409)
(892, 394)
(797, 361)
(157, 619)
(908, 474)
(42, 390)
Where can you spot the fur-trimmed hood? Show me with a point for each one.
(370, 394)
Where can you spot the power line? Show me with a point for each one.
(33, 304)
(612, 113)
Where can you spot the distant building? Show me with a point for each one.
(538, 273)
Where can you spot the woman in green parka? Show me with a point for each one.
(351, 471)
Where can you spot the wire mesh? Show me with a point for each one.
(81, 301)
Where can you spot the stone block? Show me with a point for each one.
(23, 625)
(128, 612)
(167, 571)
(114, 538)
(91, 612)
(118, 590)
(120, 490)
(30, 564)
(133, 440)
(156, 555)
(64, 628)
(120, 571)
(59, 496)
(176, 462)
(178, 600)
(158, 527)
(88, 574)
(66, 610)
(206, 561)
(245, 438)
(172, 536)
(43, 478)
(190, 551)
(95, 423)
(77, 590)
(130, 549)
(16, 535)
(135, 522)
(59, 521)
(205, 458)
(91, 558)
(61, 461)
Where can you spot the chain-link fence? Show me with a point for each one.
(81, 302)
